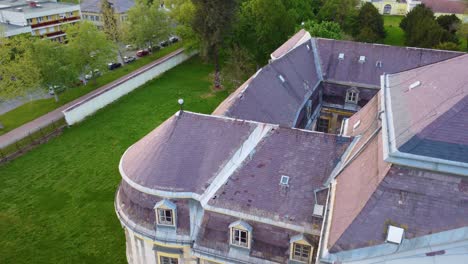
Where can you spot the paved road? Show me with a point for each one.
(47, 119)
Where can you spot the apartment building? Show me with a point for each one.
(38, 18)
(91, 10)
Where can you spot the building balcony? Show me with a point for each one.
(56, 22)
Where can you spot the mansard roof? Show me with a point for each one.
(426, 112)
(278, 91)
(306, 157)
(184, 153)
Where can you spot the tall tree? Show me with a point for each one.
(341, 11)
(89, 47)
(262, 26)
(449, 22)
(422, 30)
(324, 29)
(55, 64)
(183, 12)
(18, 73)
(147, 24)
(111, 25)
(369, 26)
(212, 22)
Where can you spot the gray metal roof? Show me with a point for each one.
(94, 6)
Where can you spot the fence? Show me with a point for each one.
(20, 147)
(90, 105)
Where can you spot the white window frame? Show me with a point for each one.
(301, 258)
(236, 237)
(168, 260)
(162, 217)
(352, 96)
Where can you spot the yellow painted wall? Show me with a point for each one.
(397, 8)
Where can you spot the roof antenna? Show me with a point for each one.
(181, 104)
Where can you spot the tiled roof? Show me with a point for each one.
(446, 6)
(266, 98)
(421, 202)
(355, 186)
(269, 242)
(185, 152)
(306, 157)
(94, 6)
(431, 119)
(394, 59)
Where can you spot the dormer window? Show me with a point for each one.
(301, 249)
(165, 217)
(165, 213)
(352, 95)
(301, 252)
(241, 234)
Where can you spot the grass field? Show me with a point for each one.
(395, 35)
(37, 108)
(57, 200)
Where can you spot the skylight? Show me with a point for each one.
(284, 180)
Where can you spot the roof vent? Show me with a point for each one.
(341, 56)
(308, 47)
(414, 85)
(318, 210)
(395, 234)
(281, 78)
(19, 9)
(378, 64)
(362, 59)
(284, 180)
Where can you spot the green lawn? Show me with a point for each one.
(395, 35)
(57, 200)
(37, 108)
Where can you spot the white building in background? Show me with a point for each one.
(38, 18)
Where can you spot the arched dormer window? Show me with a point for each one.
(165, 213)
(352, 95)
(240, 234)
(301, 249)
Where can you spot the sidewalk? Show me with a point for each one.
(47, 119)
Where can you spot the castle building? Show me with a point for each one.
(334, 152)
(38, 18)
(439, 7)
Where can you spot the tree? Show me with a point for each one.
(183, 12)
(239, 65)
(369, 26)
(324, 29)
(89, 47)
(55, 65)
(212, 21)
(449, 22)
(341, 11)
(18, 72)
(110, 24)
(262, 26)
(422, 30)
(302, 10)
(146, 24)
(463, 32)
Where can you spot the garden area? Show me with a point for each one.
(34, 109)
(58, 200)
(395, 35)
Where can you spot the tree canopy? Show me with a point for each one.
(324, 29)
(369, 24)
(342, 12)
(147, 24)
(422, 30)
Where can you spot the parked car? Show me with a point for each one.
(113, 65)
(173, 39)
(129, 47)
(164, 43)
(56, 89)
(129, 59)
(93, 74)
(142, 53)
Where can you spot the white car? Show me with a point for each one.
(92, 74)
